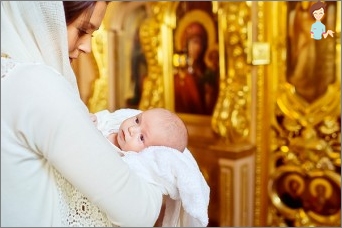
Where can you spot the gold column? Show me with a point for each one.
(99, 100)
(236, 191)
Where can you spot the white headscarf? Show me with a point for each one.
(36, 31)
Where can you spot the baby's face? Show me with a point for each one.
(140, 131)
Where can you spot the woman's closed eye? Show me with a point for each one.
(83, 31)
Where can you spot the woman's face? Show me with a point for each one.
(195, 47)
(318, 14)
(80, 31)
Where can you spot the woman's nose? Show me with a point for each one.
(85, 45)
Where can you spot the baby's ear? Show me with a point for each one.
(93, 118)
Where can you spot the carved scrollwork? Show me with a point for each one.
(306, 138)
(310, 132)
(99, 99)
(230, 119)
(153, 94)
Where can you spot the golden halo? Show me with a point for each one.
(195, 16)
(321, 181)
(297, 178)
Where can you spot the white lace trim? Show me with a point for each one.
(76, 209)
(7, 65)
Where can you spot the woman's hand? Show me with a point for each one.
(331, 33)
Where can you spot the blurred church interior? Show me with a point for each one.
(260, 97)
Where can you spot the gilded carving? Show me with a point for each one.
(153, 94)
(230, 119)
(259, 10)
(99, 99)
(304, 198)
(306, 129)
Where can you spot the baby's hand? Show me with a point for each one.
(93, 118)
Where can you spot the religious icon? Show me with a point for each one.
(294, 188)
(196, 80)
(320, 198)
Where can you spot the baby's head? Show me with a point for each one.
(172, 129)
(154, 127)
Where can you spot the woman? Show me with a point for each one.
(49, 145)
(195, 85)
(189, 82)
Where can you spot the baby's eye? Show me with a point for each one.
(142, 138)
(137, 120)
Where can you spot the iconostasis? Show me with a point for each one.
(259, 95)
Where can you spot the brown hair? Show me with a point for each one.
(73, 9)
(316, 6)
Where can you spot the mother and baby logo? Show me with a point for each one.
(317, 11)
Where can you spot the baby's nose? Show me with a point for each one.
(133, 129)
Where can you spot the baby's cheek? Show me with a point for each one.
(132, 146)
(111, 138)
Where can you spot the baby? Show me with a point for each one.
(153, 127)
(158, 135)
